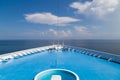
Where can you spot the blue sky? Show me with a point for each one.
(64, 19)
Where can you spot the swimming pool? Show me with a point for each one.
(85, 66)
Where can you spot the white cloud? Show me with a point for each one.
(67, 33)
(82, 30)
(54, 32)
(97, 7)
(77, 32)
(50, 19)
(60, 33)
(81, 7)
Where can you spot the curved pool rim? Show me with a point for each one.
(42, 72)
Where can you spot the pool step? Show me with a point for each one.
(56, 77)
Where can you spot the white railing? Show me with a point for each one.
(99, 54)
(8, 56)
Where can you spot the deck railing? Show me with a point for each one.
(99, 54)
(12, 55)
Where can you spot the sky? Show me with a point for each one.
(59, 19)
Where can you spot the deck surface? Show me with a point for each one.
(86, 67)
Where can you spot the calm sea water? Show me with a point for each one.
(111, 46)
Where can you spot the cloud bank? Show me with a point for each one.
(76, 32)
(97, 7)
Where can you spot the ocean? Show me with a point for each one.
(110, 46)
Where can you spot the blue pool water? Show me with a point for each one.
(86, 67)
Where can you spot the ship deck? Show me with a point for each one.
(87, 67)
